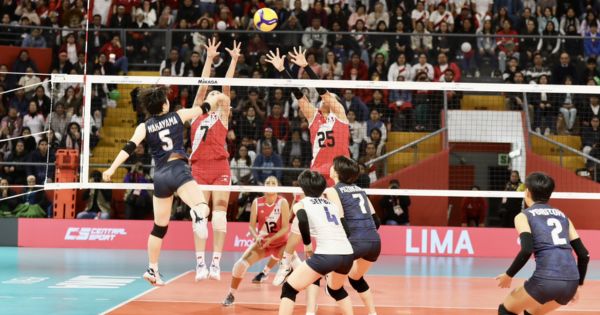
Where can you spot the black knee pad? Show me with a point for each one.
(159, 231)
(287, 291)
(317, 282)
(338, 294)
(359, 285)
(503, 311)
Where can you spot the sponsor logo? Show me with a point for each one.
(207, 81)
(433, 243)
(93, 234)
(242, 242)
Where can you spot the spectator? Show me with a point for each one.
(515, 99)
(420, 40)
(358, 15)
(72, 137)
(401, 107)
(34, 39)
(512, 206)
(7, 202)
(290, 40)
(363, 180)
(568, 20)
(332, 66)
(279, 124)
(588, 111)
(422, 103)
(550, 45)
(568, 109)
(400, 15)
(545, 110)
(267, 159)
(378, 15)
(512, 67)
(419, 15)
(63, 65)
(508, 44)
(58, 119)
(399, 68)
(245, 202)
(30, 143)
(375, 170)
(241, 165)
(358, 64)
(440, 16)
(11, 124)
(296, 148)
(120, 20)
(586, 24)
(563, 69)
(379, 66)
(72, 48)
(290, 177)
(116, 56)
(250, 125)
(317, 11)
(375, 137)
(422, 67)
(358, 132)
(590, 135)
(148, 12)
(104, 67)
(138, 202)
(42, 155)
(140, 156)
(34, 203)
(486, 42)
(442, 66)
(174, 63)
(97, 200)
(538, 69)
(317, 41)
(338, 15)
(19, 101)
(453, 97)
(17, 173)
(546, 18)
(473, 210)
(312, 63)
(193, 68)
(22, 63)
(26, 10)
(34, 120)
(42, 100)
(71, 100)
(276, 144)
(97, 35)
(355, 104)
(591, 42)
(138, 46)
(528, 46)
(29, 82)
(395, 207)
(400, 44)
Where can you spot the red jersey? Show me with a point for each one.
(208, 138)
(269, 220)
(330, 137)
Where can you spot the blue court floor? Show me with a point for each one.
(91, 281)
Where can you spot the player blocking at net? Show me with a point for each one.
(272, 212)
(329, 136)
(210, 163)
(550, 235)
(163, 132)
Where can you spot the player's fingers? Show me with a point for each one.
(277, 50)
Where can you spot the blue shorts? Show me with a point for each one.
(170, 177)
(324, 264)
(546, 290)
(367, 250)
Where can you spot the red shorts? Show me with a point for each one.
(324, 170)
(275, 250)
(212, 172)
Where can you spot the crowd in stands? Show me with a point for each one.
(425, 41)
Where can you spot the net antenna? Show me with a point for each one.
(516, 149)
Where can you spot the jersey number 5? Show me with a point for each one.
(556, 239)
(164, 136)
(326, 139)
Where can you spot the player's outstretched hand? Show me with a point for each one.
(236, 51)
(211, 48)
(106, 175)
(504, 281)
(298, 57)
(276, 60)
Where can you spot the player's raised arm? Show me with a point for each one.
(306, 107)
(235, 54)
(218, 99)
(138, 136)
(583, 256)
(522, 226)
(211, 53)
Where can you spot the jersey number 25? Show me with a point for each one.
(326, 139)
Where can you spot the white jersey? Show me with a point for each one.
(326, 227)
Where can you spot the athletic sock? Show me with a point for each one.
(232, 290)
(153, 266)
(216, 258)
(266, 270)
(286, 259)
(200, 258)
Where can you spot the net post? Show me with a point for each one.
(87, 120)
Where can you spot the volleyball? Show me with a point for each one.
(265, 19)
(465, 47)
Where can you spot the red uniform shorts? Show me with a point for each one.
(212, 172)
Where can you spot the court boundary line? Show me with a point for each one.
(143, 293)
(378, 305)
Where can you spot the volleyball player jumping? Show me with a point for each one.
(318, 217)
(273, 215)
(359, 214)
(329, 135)
(164, 134)
(549, 234)
(210, 163)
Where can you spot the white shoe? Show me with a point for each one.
(215, 272)
(282, 273)
(199, 225)
(153, 277)
(201, 272)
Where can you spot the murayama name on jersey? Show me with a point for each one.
(162, 124)
(350, 189)
(546, 211)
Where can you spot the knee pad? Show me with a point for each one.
(159, 231)
(359, 285)
(201, 209)
(317, 282)
(338, 294)
(219, 221)
(239, 268)
(288, 292)
(503, 311)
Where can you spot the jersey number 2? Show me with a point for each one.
(326, 139)
(556, 239)
(166, 139)
(331, 217)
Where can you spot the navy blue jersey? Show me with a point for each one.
(357, 213)
(164, 135)
(551, 247)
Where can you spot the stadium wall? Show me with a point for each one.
(415, 241)
(41, 56)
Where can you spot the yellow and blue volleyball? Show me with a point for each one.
(265, 19)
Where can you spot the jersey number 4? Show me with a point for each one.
(164, 136)
(331, 217)
(326, 139)
(556, 239)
